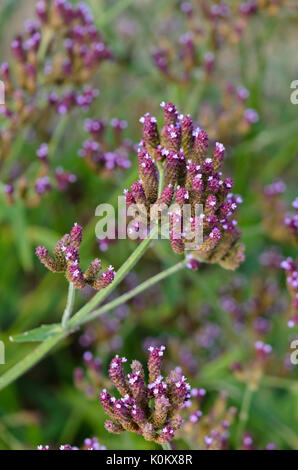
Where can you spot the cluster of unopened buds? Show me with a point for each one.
(251, 373)
(201, 340)
(44, 182)
(89, 444)
(178, 179)
(209, 26)
(151, 410)
(249, 444)
(232, 118)
(280, 223)
(257, 310)
(66, 260)
(210, 431)
(291, 268)
(96, 151)
(53, 65)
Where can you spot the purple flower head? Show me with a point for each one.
(172, 135)
(41, 252)
(138, 415)
(105, 280)
(8, 189)
(17, 49)
(209, 62)
(43, 185)
(166, 196)
(150, 131)
(172, 166)
(71, 254)
(182, 196)
(138, 193)
(5, 71)
(167, 434)
(117, 375)
(170, 113)
(76, 236)
(195, 416)
(251, 116)
(158, 388)
(218, 155)
(154, 362)
(42, 152)
(150, 410)
(201, 143)
(207, 167)
(192, 263)
(64, 178)
(263, 350)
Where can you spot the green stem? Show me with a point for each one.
(37, 354)
(161, 180)
(121, 274)
(112, 12)
(280, 382)
(166, 446)
(47, 38)
(244, 412)
(29, 361)
(57, 135)
(129, 295)
(69, 306)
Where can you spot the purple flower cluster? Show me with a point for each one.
(248, 443)
(179, 151)
(66, 259)
(280, 223)
(54, 61)
(291, 269)
(209, 431)
(208, 27)
(96, 150)
(153, 409)
(89, 378)
(232, 118)
(89, 444)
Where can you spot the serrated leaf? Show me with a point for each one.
(38, 334)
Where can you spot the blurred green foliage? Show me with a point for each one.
(44, 406)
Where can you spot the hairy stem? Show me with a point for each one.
(166, 446)
(161, 179)
(29, 361)
(244, 412)
(41, 351)
(47, 38)
(121, 274)
(69, 306)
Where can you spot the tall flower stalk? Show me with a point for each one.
(173, 165)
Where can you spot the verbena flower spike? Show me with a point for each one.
(191, 176)
(291, 268)
(280, 223)
(66, 260)
(97, 152)
(153, 409)
(89, 444)
(53, 64)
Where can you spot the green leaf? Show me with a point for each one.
(38, 334)
(18, 218)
